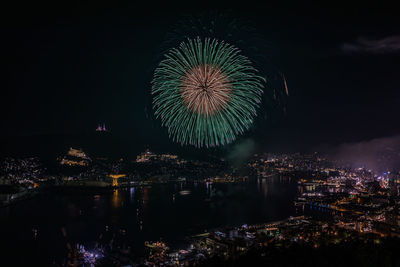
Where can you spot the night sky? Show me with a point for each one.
(67, 67)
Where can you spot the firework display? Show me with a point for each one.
(244, 34)
(206, 93)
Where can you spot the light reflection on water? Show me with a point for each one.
(151, 213)
(116, 199)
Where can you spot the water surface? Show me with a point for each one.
(131, 216)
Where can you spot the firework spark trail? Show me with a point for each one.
(285, 84)
(206, 93)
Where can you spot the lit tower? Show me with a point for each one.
(115, 178)
(101, 127)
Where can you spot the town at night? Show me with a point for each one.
(223, 134)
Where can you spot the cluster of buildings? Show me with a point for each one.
(359, 199)
(149, 156)
(232, 243)
(75, 157)
(76, 169)
(21, 171)
(335, 203)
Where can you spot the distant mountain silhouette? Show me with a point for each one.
(95, 144)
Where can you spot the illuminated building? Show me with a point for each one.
(77, 153)
(149, 156)
(75, 157)
(101, 128)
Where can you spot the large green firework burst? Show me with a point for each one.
(206, 93)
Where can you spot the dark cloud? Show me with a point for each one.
(389, 44)
(381, 154)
